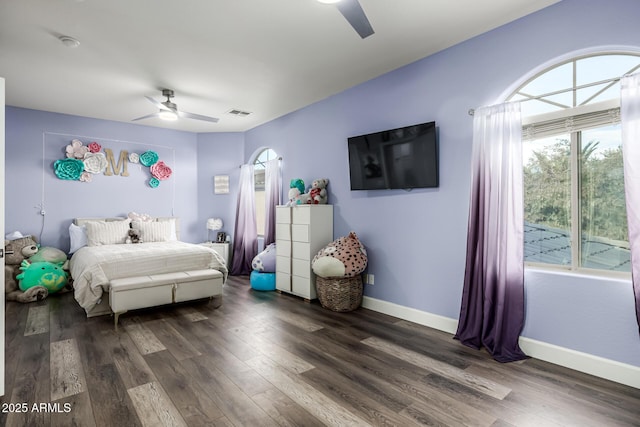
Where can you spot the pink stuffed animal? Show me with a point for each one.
(344, 257)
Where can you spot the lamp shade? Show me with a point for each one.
(214, 224)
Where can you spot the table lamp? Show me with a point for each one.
(214, 224)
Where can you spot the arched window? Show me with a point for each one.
(259, 165)
(574, 206)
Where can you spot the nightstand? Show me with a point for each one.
(223, 249)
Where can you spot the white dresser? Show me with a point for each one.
(301, 231)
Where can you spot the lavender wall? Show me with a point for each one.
(32, 136)
(218, 154)
(416, 240)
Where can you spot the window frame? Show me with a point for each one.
(597, 114)
(260, 187)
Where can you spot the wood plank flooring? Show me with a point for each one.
(265, 359)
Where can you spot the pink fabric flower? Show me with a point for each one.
(76, 150)
(94, 147)
(85, 177)
(160, 170)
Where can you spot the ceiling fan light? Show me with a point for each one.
(168, 115)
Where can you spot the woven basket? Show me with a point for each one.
(339, 293)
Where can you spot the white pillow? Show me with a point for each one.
(107, 233)
(77, 237)
(173, 236)
(153, 231)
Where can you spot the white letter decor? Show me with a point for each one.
(84, 161)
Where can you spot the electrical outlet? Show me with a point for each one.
(371, 279)
(368, 279)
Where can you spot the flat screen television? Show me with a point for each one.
(402, 158)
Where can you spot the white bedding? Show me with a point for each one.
(92, 267)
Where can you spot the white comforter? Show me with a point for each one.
(92, 267)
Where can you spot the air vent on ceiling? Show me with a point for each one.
(239, 113)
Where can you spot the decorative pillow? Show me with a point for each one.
(107, 233)
(173, 235)
(344, 257)
(265, 261)
(141, 217)
(159, 231)
(77, 236)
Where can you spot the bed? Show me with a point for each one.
(111, 276)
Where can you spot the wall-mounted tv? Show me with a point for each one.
(402, 158)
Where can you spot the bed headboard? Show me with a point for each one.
(82, 221)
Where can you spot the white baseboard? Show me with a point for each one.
(434, 321)
(594, 365)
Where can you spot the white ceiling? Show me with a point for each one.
(269, 57)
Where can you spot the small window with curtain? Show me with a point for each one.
(259, 166)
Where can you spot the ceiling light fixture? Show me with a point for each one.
(69, 41)
(168, 115)
(329, 1)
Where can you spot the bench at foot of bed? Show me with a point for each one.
(131, 293)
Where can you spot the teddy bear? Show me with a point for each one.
(133, 236)
(16, 251)
(318, 192)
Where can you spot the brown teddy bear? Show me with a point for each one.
(15, 252)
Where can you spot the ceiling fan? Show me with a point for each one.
(354, 14)
(169, 110)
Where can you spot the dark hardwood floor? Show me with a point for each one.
(265, 359)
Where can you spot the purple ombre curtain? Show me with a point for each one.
(272, 197)
(245, 233)
(630, 117)
(492, 309)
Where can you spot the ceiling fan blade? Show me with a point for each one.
(354, 13)
(197, 117)
(148, 116)
(156, 103)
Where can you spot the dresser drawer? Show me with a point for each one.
(300, 233)
(283, 264)
(300, 267)
(283, 215)
(300, 250)
(301, 214)
(303, 287)
(283, 282)
(283, 248)
(283, 231)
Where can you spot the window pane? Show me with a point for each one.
(604, 236)
(555, 79)
(547, 200)
(260, 212)
(603, 67)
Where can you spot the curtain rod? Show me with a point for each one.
(277, 158)
(557, 92)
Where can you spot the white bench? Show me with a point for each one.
(131, 293)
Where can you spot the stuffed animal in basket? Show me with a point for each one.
(344, 257)
(318, 192)
(16, 251)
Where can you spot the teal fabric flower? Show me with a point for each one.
(69, 169)
(148, 158)
(154, 182)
